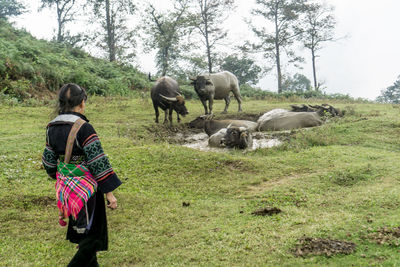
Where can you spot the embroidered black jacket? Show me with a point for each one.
(87, 150)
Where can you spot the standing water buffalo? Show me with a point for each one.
(165, 94)
(217, 86)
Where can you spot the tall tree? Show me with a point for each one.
(244, 68)
(391, 94)
(284, 15)
(164, 32)
(208, 18)
(317, 28)
(65, 14)
(114, 37)
(9, 8)
(297, 84)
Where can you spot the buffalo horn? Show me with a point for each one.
(173, 99)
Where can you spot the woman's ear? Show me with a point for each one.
(82, 106)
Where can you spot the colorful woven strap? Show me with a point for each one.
(71, 138)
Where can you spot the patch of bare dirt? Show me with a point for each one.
(386, 236)
(44, 94)
(266, 211)
(267, 185)
(41, 94)
(236, 165)
(177, 134)
(27, 201)
(42, 201)
(325, 247)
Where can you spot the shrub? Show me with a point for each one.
(34, 65)
(188, 92)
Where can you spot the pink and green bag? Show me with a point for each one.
(75, 184)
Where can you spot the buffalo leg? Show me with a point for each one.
(204, 102)
(227, 101)
(239, 99)
(177, 117)
(210, 103)
(170, 115)
(156, 110)
(165, 116)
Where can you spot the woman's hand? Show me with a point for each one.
(111, 201)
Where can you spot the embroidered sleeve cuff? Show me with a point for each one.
(109, 184)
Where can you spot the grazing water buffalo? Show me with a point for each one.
(277, 120)
(166, 95)
(217, 86)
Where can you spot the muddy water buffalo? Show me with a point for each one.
(166, 95)
(238, 137)
(217, 139)
(277, 120)
(233, 137)
(322, 110)
(213, 126)
(217, 86)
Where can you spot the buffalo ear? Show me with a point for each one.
(193, 83)
(180, 99)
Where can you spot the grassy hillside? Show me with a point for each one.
(340, 181)
(31, 67)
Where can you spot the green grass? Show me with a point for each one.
(338, 181)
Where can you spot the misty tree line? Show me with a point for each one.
(188, 37)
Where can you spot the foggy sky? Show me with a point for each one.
(361, 65)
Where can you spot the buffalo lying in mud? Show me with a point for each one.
(216, 86)
(238, 137)
(217, 139)
(322, 110)
(212, 126)
(166, 95)
(232, 137)
(240, 133)
(279, 119)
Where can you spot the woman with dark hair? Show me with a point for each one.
(89, 227)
